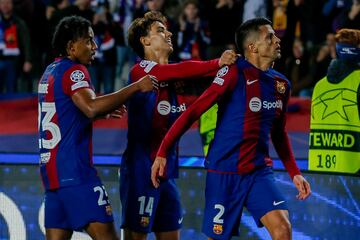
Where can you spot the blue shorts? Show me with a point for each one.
(147, 209)
(227, 194)
(76, 206)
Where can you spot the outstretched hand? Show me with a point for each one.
(303, 187)
(228, 58)
(157, 170)
(148, 83)
(118, 113)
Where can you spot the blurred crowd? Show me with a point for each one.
(202, 29)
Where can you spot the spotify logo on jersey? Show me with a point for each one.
(255, 104)
(164, 108)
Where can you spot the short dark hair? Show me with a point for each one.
(140, 27)
(244, 30)
(69, 29)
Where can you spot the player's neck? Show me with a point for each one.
(158, 57)
(260, 63)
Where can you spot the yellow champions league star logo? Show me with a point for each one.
(334, 103)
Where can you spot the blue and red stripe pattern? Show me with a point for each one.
(65, 133)
(252, 107)
(151, 114)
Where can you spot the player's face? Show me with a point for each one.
(83, 49)
(160, 38)
(268, 43)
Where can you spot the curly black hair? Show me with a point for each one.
(69, 29)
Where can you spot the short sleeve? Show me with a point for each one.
(75, 78)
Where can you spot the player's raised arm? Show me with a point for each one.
(192, 69)
(92, 106)
(217, 89)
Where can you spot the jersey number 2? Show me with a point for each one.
(218, 218)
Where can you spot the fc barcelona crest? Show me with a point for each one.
(218, 229)
(108, 210)
(144, 222)
(280, 87)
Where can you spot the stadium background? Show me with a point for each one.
(331, 212)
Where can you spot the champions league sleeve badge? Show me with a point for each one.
(77, 76)
(222, 72)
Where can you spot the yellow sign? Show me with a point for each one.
(334, 140)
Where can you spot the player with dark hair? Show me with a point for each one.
(252, 99)
(75, 198)
(144, 208)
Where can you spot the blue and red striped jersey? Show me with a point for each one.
(65, 133)
(151, 114)
(252, 107)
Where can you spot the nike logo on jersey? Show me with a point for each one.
(277, 203)
(249, 82)
(180, 220)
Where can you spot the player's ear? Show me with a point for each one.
(70, 47)
(145, 41)
(252, 48)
